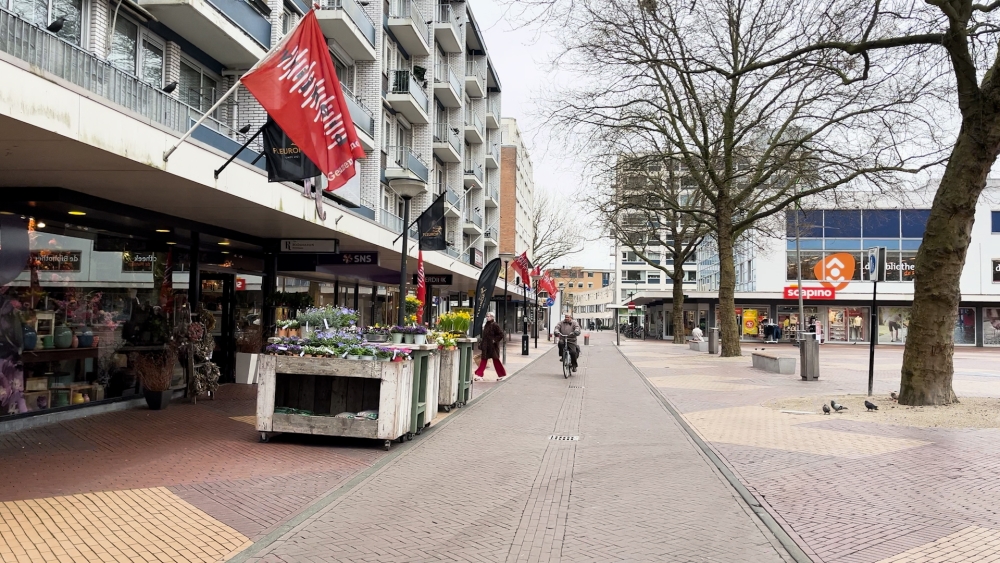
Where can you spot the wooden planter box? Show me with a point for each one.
(328, 386)
(448, 386)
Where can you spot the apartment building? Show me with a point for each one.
(94, 92)
(591, 307)
(517, 191)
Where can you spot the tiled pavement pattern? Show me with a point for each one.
(491, 486)
(848, 491)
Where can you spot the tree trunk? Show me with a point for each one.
(678, 310)
(728, 331)
(930, 344)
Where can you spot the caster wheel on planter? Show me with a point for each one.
(264, 437)
(409, 437)
(447, 408)
(388, 444)
(402, 438)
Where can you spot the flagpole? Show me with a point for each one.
(230, 92)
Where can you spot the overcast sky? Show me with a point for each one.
(521, 58)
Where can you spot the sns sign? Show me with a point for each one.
(835, 271)
(876, 263)
(364, 258)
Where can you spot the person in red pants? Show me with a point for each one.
(489, 345)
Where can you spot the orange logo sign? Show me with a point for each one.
(835, 270)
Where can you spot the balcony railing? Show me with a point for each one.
(357, 15)
(444, 131)
(405, 158)
(391, 221)
(452, 251)
(493, 193)
(451, 196)
(51, 54)
(446, 15)
(473, 120)
(491, 233)
(403, 82)
(472, 69)
(247, 18)
(474, 169)
(408, 9)
(494, 149)
(493, 107)
(360, 114)
(443, 74)
(472, 217)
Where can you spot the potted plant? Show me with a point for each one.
(369, 354)
(397, 332)
(293, 327)
(407, 335)
(355, 352)
(419, 334)
(149, 330)
(155, 370)
(383, 354)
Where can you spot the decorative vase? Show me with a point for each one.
(30, 338)
(397, 338)
(75, 343)
(47, 341)
(63, 337)
(420, 339)
(77, 398)
(87, 338)
(157, 400)
(408, 338)
(293, 333)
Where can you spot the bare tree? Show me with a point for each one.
(751, 142)
(639, 208)
(554, 233)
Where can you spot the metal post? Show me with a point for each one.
(401, 306)
(798, 279)
(873, 334)
(356, 288)
(374, 299)
(194, 274)
(524, 324)
(535, 313)
(336, 293)
(505, 311)
(268, 287)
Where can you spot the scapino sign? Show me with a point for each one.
(815, 293)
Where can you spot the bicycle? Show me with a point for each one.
(567, 359)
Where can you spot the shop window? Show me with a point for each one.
(810, 224)
(914, 221)
(893, 324)
(995, 216)
(44, 12)
(842, 224)
(991, 326)
(881, 223)
(965, 327)
(842, 243)
(809, 261)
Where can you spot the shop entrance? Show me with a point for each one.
(218, 295)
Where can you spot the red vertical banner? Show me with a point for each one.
(421, 287)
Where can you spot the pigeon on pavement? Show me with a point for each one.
(871, 406)
(894, 396)
(837, 406)
(826, 409)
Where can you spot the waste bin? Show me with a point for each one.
(586, 340)
(713, 340)
(809, 357)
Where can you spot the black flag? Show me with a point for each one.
(484, 293)
(431, 225)
(285, 162)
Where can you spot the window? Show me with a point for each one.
(580, 285)
(386, 133)
(561, 285)
(590, 274)
(633, 275)
(653, 277)
(914, 221)
(881, 223)
(286, 21)
(996, 221)
(810, 224)
(842, 224)
(136, 51)
(345, 73)
(590, 285)
(198, 89)
(691, 276)
(44, 12)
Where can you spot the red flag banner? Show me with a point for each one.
(421, 287)
(298, 87)
(548, 285)
(522, 266)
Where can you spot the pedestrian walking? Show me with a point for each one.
(489, 345)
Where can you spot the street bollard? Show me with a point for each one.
(586, 340)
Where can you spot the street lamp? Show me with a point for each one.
(507, 258)
(534, 314)
(407, 189)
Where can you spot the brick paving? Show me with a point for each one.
(492, 486)
(848, 491)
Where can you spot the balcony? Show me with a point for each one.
(446, 31)
(407, 97)
(493, 114)
(447, 145)
(452, 251)
(403, 166)
(473, 175)
(391, 221)
(447, 87)
(350, 26)
(453, 203)
(492, 196)
(493, 155)
(364, 121)
(48, 53)
(475, 134)
(473, 223)
(232, 32)
(475, 80)
(490, 237)
(409, 27)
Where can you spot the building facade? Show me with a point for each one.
(114, 226)
(832, 258)
(517, 191)
(591, 308)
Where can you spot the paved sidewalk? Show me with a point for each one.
(542, 469)
(848, 490)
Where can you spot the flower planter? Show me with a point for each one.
(397, 338)
(368, 358)
(408, 338)
(420, 339)
(157, 400)
(282, 333)
(352, 357)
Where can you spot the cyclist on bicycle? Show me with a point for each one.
(569, 329)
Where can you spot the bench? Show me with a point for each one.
(773, 363)
(699, 346)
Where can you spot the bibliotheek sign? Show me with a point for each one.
(792, 292)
